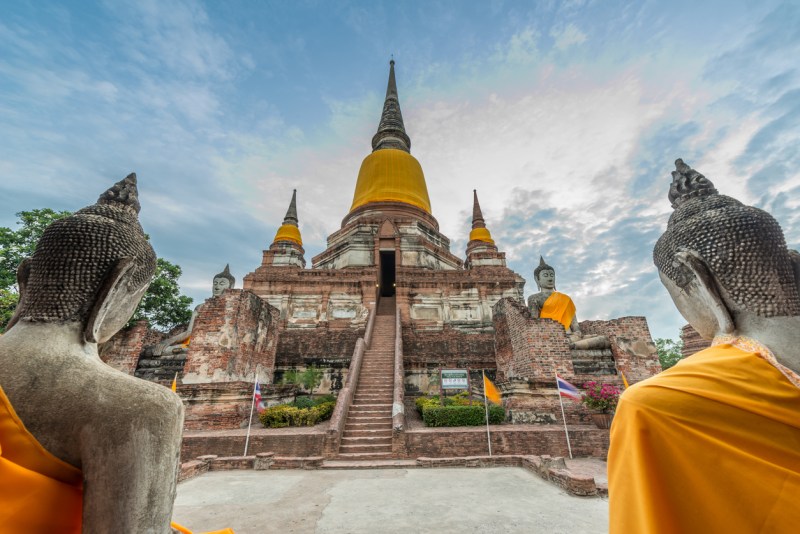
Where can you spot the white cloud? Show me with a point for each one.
(567, 36)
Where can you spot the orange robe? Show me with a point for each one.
(710, 445)
(558, 307)
(39, 493)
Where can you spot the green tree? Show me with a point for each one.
(8, 303)
(310, 378)
(669, 351)
(16, 245)
(163, 305)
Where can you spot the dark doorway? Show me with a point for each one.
(387, 273)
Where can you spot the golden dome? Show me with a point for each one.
(391, 175)
(288, 232)
(481, 234)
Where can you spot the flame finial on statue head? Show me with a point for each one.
(687, 183)
(123, 193)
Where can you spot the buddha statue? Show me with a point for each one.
(177, 344)
(95, 450)
(551, 304)
(721, 427)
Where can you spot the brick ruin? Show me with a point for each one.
(453, 312)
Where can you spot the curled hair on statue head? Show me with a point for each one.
(73, 258)
(743, 247)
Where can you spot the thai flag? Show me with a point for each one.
(565, 389)
(257, 398)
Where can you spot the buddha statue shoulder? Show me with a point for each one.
(104, 446)
(551, 304)
(730, 273)
(178, 342)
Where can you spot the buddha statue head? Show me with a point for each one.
(720, 259)
(544, 275)
(92, 267)
(223, 281)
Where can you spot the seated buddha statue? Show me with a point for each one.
(551, 304)
(178, 343)
(84, 447)
(720, 430)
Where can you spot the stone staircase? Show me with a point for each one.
(368, 428)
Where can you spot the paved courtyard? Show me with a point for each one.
(458, 500)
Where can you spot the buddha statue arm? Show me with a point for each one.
(180, 337)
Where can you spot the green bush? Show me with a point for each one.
(285, 415)
(461, 399)
(458, 415)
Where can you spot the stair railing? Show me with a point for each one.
(398, 408)
(346, 394)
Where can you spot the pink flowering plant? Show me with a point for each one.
(602, 397)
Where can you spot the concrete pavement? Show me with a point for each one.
(458, 500)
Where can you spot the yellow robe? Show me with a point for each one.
(710, 445)
(39, 493)
(558, 307)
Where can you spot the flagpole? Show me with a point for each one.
(250, 422)
(486, 408)
(563, 416)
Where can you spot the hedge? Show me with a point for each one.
(455, 415)
(285, 415)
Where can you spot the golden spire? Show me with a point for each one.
(479, 231)
(289, 231)
(391, 173)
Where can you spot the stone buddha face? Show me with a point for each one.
(546, 279)
(220, 285)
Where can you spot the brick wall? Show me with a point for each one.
(318, 346)
(122, 351)
(634, 352)
(235, 337)
(692, 342)
(226, 405)
(529, 348)
(283, 442)
(447, 348)
(506, 439)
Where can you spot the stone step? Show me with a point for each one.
(365, 456)
(383, 447)
(367, 413)
(356, 412)
(371, 463)
(366, 427)
(384, 433)
(385, 419)
(366, 440)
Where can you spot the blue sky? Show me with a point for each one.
(565, 116)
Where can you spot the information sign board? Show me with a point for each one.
(455, 379)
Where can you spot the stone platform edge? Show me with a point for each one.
(551, 469)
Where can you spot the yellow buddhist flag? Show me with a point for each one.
(491, 391)
(175, 383)
(624, 380)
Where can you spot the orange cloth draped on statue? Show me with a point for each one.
(558, 307)
(710, 445)
(38, 492)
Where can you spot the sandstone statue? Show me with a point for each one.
(551, 304)
(713, 443)
(176, 344)
(99, 449)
